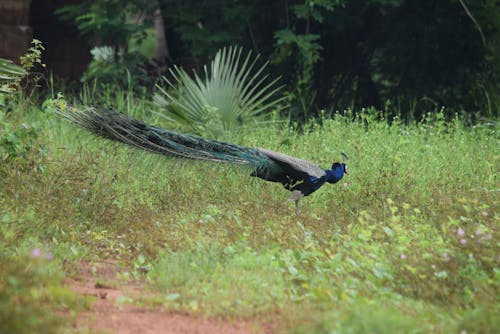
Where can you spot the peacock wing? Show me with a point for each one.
(294, 168)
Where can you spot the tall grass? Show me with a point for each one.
(409, 243)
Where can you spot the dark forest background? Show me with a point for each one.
(411, 56)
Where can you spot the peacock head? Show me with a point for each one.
(339, 167)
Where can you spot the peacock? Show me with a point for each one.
(299, 176)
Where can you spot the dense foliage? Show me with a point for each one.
(363, 52)
(106, 22)
(333, 54)
(18, 140)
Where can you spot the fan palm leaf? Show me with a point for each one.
(10, 74)
(232, 91)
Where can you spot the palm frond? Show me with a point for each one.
(232, 91)
(10, 75)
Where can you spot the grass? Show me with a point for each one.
(409, 244)
(32, 297)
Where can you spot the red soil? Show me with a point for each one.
(109, 316)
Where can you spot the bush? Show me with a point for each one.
(122, 73)
(18, 141)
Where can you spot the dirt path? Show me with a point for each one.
(107, 315)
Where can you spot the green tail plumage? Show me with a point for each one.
(120, 127)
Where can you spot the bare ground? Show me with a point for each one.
(108, 315)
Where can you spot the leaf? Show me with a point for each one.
(6, 219)
(292, 270)
(441, 274)
(10, 74)
(8, 67)
(124, 299)
(172, 297)
(388, 231)
(379, 271)
(74, 250)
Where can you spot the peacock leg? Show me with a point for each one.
(296, 196)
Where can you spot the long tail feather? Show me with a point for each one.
(120, 127)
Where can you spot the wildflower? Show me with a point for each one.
(49, 256)
(485, 213)
(36, 252)
(463, 241)
(402, 256)
(488, 236)
(479, 232)
(201, 221)
(446, 257)
(346, 185)
(460, 232)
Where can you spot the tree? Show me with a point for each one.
(109, 22)
(333, 53)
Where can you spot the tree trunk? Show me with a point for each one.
(161, 52)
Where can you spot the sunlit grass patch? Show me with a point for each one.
(227, 281)
(392, 315)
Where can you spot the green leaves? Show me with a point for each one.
(102, 22)
(313, 9)
(307, 44)
(11, 74)
(17, 142)
(33, 56)
(232, 92)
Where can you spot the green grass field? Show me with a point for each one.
(408, 242)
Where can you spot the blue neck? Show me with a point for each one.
(334, 175)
